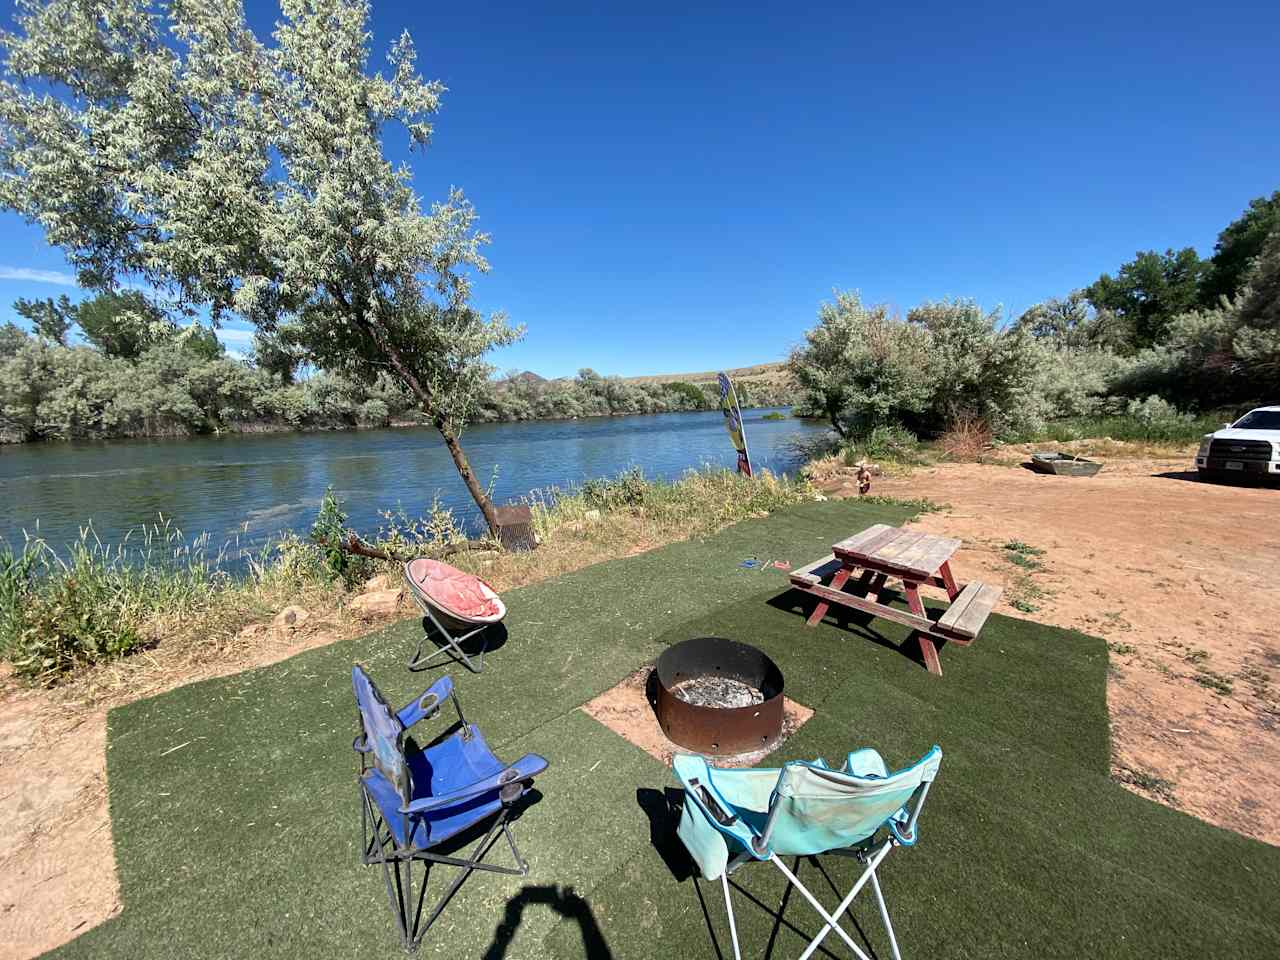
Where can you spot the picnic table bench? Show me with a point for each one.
(916, 559)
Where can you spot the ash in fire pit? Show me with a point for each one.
(717, 692)
(718, 696)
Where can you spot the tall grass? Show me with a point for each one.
(649, 511)
(90, 603)
(1184, 429)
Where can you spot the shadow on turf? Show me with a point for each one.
(564, 901)
(855, 622)
(494, 638)
(663, 808)
(778, 915)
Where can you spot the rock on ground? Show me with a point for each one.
(378, 603)
(289, 619)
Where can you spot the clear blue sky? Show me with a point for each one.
(677, 189)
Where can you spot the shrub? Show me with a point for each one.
(979, 369)
(891, 443)
(627, 489)
(373, 413)
(93, 603)
(966, 437)
(861, 368)
(73, 620)
(1153, 411)
(1075, 382)
(329, 532)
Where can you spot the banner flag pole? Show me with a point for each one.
(733, 422)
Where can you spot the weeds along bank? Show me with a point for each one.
(159, 600)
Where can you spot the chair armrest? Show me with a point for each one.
(526, 768)
(427, 704)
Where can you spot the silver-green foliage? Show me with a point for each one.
(166, 142)
(861, 366)
(979, 368)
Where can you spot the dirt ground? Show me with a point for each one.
(57, 864)
(1178, 576)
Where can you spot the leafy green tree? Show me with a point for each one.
(26, 377)
(1261, 302)
(122, 323)
(1228, 353)
(200, 341)
(49, 318)
(272, 354)
(1148, 292)
(12, 339)
(1238, 247)
(689, 396)
(1070, 322)
(251, 179)
(860, 367)
(78, 395)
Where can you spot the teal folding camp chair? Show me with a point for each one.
(735, 817)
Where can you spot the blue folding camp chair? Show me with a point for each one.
(413, 800)
(734, 817)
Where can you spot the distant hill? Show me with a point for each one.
(527, 376)
(771, 372)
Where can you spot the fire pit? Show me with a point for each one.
(718, 696)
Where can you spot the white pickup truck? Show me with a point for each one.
(1250, 446)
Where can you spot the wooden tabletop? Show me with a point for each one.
(882, 547)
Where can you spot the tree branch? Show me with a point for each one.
(357, 547)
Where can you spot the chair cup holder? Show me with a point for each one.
(509, 793)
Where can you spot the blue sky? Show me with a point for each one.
(677, 189)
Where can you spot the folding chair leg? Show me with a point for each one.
(397, 871)
(868, 874)
(884, 915)
(728, 906)
(452, 647)
(832, 923)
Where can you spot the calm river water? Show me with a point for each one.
(255, 487)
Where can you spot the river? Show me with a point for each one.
(247, 489)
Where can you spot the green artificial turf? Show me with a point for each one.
(244, 841)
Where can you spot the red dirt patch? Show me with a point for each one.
(1178, 576)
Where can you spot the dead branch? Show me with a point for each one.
(354, 545)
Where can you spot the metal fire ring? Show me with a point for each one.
(722, 731)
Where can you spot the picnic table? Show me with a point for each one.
(916, 560)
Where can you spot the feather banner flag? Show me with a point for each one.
(733, 422)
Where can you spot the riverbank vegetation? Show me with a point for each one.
(161, 599)
(134, 372)
(1165, 350)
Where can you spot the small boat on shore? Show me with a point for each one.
(1064, 465)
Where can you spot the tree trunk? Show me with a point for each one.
(460, 460)
(468, 475)
(833, 414)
